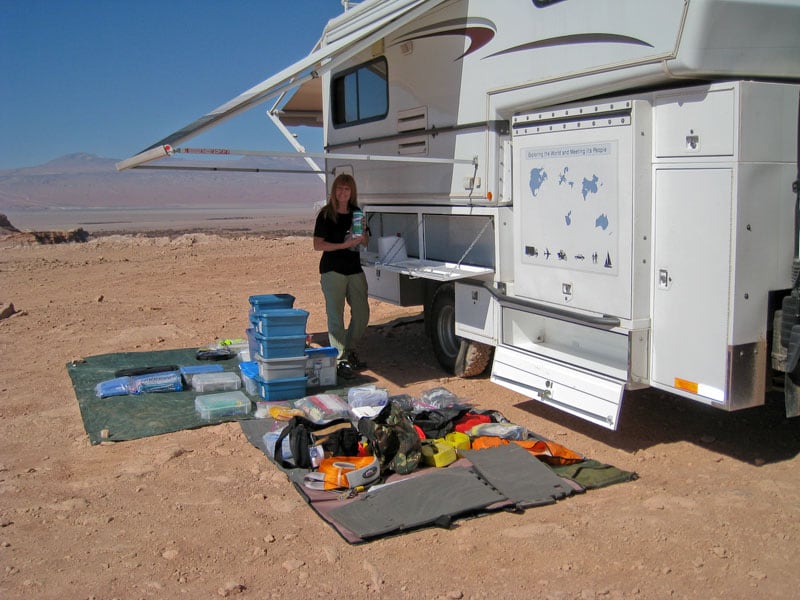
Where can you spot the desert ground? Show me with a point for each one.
(715, 512)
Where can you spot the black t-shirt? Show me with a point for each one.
(346, 261)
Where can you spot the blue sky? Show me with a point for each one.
(110, 77)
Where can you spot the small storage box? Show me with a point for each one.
(322, 357)
(252, 343)
(189, 372)
(321, 366)
(224, 404)
(281, 389)
(216, 382)
(283, 321)
(282, 346)
(321, 377)
(249, 371)
(281, 368)
(270, 301)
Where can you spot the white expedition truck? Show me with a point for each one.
(585, 197)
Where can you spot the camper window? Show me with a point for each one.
(360, 94)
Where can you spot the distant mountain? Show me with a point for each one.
(84, 180)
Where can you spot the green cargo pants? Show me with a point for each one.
(338, 289)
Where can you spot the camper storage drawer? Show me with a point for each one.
(393, 287)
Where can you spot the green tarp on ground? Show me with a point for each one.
(137, 416)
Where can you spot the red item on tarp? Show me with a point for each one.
(420, 433)
(469, 420)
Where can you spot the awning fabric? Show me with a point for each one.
(305, 106)
(344, 37)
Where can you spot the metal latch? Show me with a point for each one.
(664, 279)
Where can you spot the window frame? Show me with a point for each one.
(339, 100)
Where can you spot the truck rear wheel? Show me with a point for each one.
(443, 327)
(473, 358)
(460, 357)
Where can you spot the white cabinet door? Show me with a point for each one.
(692, 271)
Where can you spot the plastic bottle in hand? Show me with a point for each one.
(357, 228)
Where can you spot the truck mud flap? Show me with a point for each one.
(585, 394)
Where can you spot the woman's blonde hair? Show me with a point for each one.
(344, 179)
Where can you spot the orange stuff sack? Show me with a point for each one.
(548, 452)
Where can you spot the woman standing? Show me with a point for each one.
(341, 276)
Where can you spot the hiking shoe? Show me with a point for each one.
(344, 370)
(355, 364)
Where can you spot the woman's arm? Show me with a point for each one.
(322, 246)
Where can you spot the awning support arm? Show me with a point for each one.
(328, 155)
(301, 151)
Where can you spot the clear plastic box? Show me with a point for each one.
(216, 382)
(321, 366)
(224, 404)
(249, 371)
(281, 368)
(322, 357)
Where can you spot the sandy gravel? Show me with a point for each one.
(204, 514)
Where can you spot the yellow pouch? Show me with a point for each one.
(438, 453)
(458, 440)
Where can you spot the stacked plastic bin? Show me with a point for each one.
(277, 339)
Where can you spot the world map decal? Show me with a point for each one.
(570, 215)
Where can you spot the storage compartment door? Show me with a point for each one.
(691, 291)
(574, 218)
(393, 287)
(580, 392)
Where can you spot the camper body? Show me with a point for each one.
(618, 212)
(588, 197)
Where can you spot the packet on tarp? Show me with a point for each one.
(440, 397)
(113, 387)
(367, 400)
(156, 382)
(322, 408)
(367, 395)
(507, 431)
